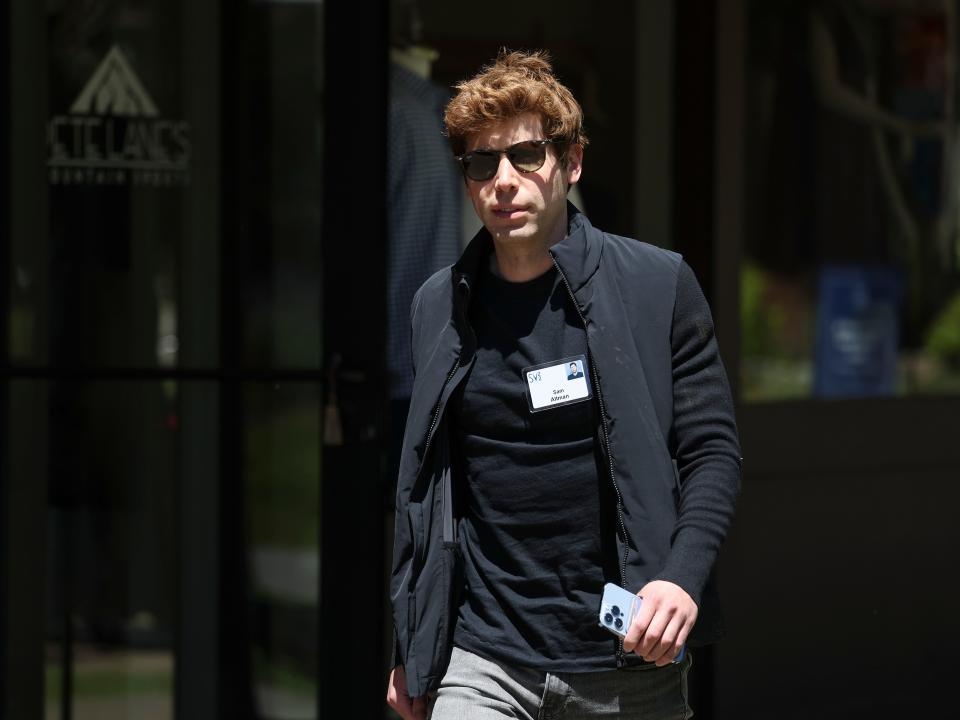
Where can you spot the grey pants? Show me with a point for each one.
(475, 688)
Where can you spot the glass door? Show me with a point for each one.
(165, 404)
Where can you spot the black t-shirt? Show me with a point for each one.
(535, 557)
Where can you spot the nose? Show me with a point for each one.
(506, 177)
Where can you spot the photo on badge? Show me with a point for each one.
(557, 383)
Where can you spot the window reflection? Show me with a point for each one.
(852, 269)
(119, 159)
(282, 465)
(112, 560)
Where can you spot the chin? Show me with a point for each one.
(520, 233)
(512, 231)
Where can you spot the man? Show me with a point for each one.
(574, 371)
(518, 498)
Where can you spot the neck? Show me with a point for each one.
(519, 261)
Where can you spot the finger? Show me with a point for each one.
(668, 648)
(686, 627)
(400, 702)
(419, 709)
(402, 705)
(654, 633)
(639, 625)
(405, 709)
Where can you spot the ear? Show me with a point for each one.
(574, 163)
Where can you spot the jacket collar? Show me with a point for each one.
(577, 255)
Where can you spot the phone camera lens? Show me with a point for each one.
(608, 618)
(615, 610)
(618, 623)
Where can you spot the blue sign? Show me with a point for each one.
(858, 331)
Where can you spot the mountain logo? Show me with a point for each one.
(113, 134)
(114, 89)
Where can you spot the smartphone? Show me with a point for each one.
(618, 607)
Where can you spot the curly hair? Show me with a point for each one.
(514, 84)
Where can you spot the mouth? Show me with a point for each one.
(508, 211)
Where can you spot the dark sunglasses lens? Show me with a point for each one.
(480, 165)
(527, 157)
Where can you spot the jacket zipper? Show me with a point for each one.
(436, 410)
(606, 443)
(436, 416)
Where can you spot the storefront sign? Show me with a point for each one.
(114, 134)
(858, 331)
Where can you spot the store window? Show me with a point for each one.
(112, 547)
(162, 321)
(850, 282)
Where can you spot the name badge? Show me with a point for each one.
(557, 383)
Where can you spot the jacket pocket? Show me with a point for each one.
(433, 606)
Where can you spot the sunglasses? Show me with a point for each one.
(527, 156)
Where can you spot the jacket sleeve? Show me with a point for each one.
(703, 440)
(402, 541)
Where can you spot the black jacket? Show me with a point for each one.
(668, 437)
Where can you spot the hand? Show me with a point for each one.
(407, 707)
(660, 629)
